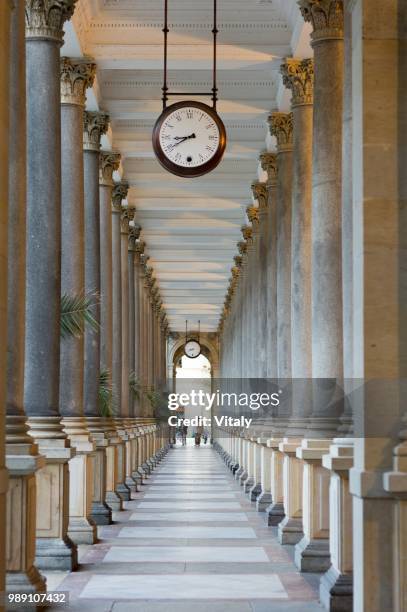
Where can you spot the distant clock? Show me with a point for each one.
(189, 139)
(192, 349)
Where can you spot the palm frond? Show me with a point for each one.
(76, 312)
(106, 402)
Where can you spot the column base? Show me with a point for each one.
(101, 514)
(254, 492)
(290, 531)
(26, 582)
(137, 477)
(56, 554)
(123, 491)
(336, 591)
(238, 472)
(114, 502)
(146, 467)
(82, 531)
(275, 514)
(248, 484)
(131, 483)
(312, 556)
(263, 500)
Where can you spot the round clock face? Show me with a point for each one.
(192, 349)
(189, 139)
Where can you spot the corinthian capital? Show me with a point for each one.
(268, 163)
(281, 126)
(94, 125)
(298, 75)
(109, 161)
(76, 76)
(134, 234)
(242, 248)
(45, 18)
(259, 191)
(126, 216)
(253, 215)
(326, 17)
(238, 261)
(119, 193)
(247, 233)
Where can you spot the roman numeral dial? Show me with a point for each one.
(189, 139)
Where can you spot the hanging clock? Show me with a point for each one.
(192, 349)
(189, 139)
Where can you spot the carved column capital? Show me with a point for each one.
(126, 216)
(44, 19)
(134, 234)
(259, 191)
(247, 234)
(77, 74)
(268, 163)
(95, 124)
(238, 261)
(281, 126)
(326, 17)
(253, 216)
(119, 193)
(298, 76)
(242, 248)
(109, 161)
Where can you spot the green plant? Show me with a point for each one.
(154, 397)
(76, 312)
(134, 385)
(106, 400)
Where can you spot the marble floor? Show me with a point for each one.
(188, 541)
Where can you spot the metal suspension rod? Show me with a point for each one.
(214, 32)
(165, 30)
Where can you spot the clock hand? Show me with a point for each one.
(180, 139)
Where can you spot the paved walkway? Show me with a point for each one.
(188, 542)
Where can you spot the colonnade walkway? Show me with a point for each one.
(189, 540)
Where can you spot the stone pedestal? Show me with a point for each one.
(54, 549)
(121, 488)
(81, 528)
(265, 498)
(22, 575)
(101, 513)
(255, 489)
(336, 587)
(312, 552)
(275, 512)
(290, 529)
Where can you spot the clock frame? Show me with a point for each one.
(185, 348)
(189, 172)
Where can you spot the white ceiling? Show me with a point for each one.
(190, 226)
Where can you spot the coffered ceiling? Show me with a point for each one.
(190, 226)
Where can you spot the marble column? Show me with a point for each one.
(108, 162)
(43, 280)
(5, 53)
(269, 164)
(298, 77)
(119, 193)
(22, 458)
(138, 331)
(127, 216)
(134, 233)
(281, 126)
(326, 17)
(76, 76)
(95, 124)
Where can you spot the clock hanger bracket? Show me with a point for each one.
(165, 89)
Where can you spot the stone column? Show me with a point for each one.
(119, 193)
(138, 335)
(5, 20)
(378, 481)
(22, 458)
(131, 263)
(259, 191)
(326, 16)
(108, 162)
(95, 124)
(298, 76)
(43, 279)
(127, 216)
(281, 126)
(269, 164)
(76, 76)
